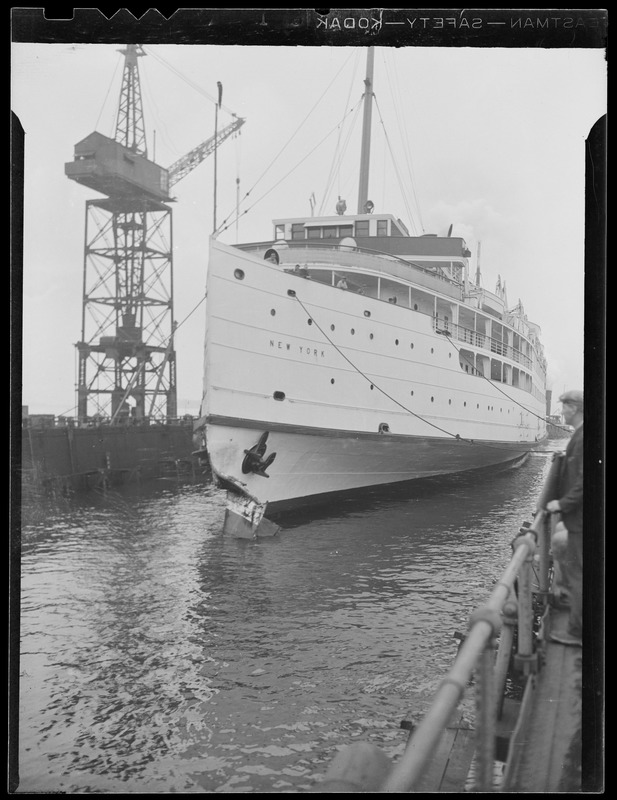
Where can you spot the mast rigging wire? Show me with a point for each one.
(398, 103)
(223, 226)
(334, 173)
(188, 81)
(282, 150)
(396, 170)
(334, 157)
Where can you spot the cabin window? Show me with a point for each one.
(313, 233)
(495, 370)
(482, 365)
(466, 360)
(394, 293)
(279, 232)
(345, 230)
(330, 232)
(297, 230)
(362, 228)
(422, 302)
(382, 227)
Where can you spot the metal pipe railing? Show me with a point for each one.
(484, 626)
(510, 604)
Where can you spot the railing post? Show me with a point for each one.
(486, 718)
(525, 659)
(486, 701)
(541, 527)
(504, 651)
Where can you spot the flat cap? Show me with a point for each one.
(572, 396)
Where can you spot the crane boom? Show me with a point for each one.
(192, 159)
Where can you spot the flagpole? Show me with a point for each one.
(216, 124)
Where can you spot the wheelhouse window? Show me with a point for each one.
(279, 232)
(345, 230)
(382, 227)
(330, 232)
(362, 227)
(297, 230)
(313, 233)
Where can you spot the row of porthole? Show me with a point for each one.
(353, 332)
(281, 396)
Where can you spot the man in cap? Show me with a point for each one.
(569, 504)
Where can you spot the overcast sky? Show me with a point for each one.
(489, 140)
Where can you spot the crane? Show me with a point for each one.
(194, 157)
(126, 355)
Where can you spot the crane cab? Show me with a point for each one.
(114, 170)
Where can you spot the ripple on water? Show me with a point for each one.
(158, 655)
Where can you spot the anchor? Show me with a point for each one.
(254, 460)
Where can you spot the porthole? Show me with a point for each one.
(309, 321)
(411, 345)
(465, 404)
(384, 427)
(273, 312)
(279, 395)
(449, 402)
(372, 387)
(478, 406)
(367, 313)
(291, 292)
(432, 350)
(239, 274)
(331, 327)
(352, 331)
(370, 336)
(411, 392)
(396, 342)
(415, 306)
(331, 380)
(432, 399)
(449, 355)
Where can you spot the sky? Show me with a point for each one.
(488, 140)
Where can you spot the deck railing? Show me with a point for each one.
(478, 339)
(364, 767)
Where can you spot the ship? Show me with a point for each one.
(343, 354)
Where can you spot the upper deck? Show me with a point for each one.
(430, 273)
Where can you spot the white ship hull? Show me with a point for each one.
(351, 391)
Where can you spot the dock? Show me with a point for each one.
(71, 457)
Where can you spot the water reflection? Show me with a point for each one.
(159, 655)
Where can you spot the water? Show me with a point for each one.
(158, 655)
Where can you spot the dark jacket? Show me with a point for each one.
(570, 493)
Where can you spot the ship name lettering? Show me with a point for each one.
(280, 345)
(308, 351)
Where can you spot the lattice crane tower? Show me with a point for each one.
(126, 356)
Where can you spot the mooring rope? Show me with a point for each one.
(456, 436)
(499, 389)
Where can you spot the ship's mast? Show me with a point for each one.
(365, 153)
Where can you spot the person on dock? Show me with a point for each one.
(569, 503)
